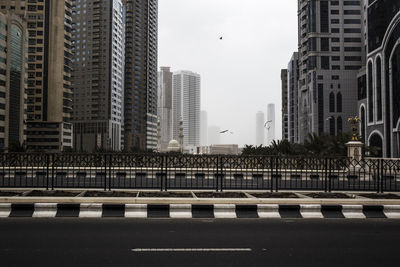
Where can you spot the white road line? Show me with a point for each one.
(192, 250)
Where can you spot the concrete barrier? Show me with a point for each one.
(311, 211)
(5, 210)
(392, 211)
(136, 210)
(224, 211)
(268, 211)
(180, 211)
(45, 210)
(91, 211)
(353, 211)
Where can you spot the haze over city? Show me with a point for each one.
(240, 74)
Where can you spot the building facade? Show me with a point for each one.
(270, 124)
(379, 87)
(49, 104)
(331, 52)
(98, 74)
(260, 130)
(292, 91)
(285, 111)
(140, 128)
(203, 128)
(186, 105)
(13, 80)
(214, 135)
(165, 105)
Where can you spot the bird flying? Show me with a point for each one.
(221, 38)
(224, 131)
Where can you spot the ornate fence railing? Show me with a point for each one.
(197, 172)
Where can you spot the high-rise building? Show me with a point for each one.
(186, 105)
(260, 130)
(285, 115)
(49, 104)
(203, 128)
(270, 124)
(331, 52)
(13, 80)
(214, 135)
(379, 87)
(140, 129)
(293, 116)
(165, 105)
(98, 74)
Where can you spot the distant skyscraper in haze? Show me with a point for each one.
(285, 115)
(186, 105)
(214, 135)
(140, 129)
(98, 74)
(165, 105)
(260, 130)
(203, 128)
(270, 123)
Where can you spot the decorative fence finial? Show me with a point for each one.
(354, 126)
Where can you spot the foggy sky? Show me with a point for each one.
(240, 75)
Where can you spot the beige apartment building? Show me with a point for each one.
(49, 97)
(13, 80)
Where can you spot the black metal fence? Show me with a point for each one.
(169, 172)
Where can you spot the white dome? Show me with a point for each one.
(173, 145)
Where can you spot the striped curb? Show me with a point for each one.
(187, 211)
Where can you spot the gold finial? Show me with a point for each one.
(354, 126)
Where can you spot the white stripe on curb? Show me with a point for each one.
(91, 210)
(224, 211)
(5, 210)
(45, 210)
(136, 210)
(392, 211)
(353, 211)
(311, 211)
(268, 211)
(180, 211)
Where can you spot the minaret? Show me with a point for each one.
(181, 136)
(159, 135)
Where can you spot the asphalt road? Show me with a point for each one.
(124, 242)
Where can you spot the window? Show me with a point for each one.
(324, 44)
(379, 87)
(352, 21)
(325, 62)
(370, 94)
(332, 102)
(339, 125)
(339, 105)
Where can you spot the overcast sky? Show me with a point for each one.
(240, 75)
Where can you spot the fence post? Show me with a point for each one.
(326, 175)
(329, 175)
(109, 171)
(52, 170)
(382, 175)
(105, 171)
(164, 175)
(221, 175)
(271, 166)
(47, 170)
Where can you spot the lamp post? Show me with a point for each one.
(354, 147)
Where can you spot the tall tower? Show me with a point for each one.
(293, 115)
(13, 80)
(98, 74)
(285, 115)
(203, 128)
(49, 103)
(140, 129)
(165, 105)
(331, 52)
(260, 132)
(186, 105)
(271, 120)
